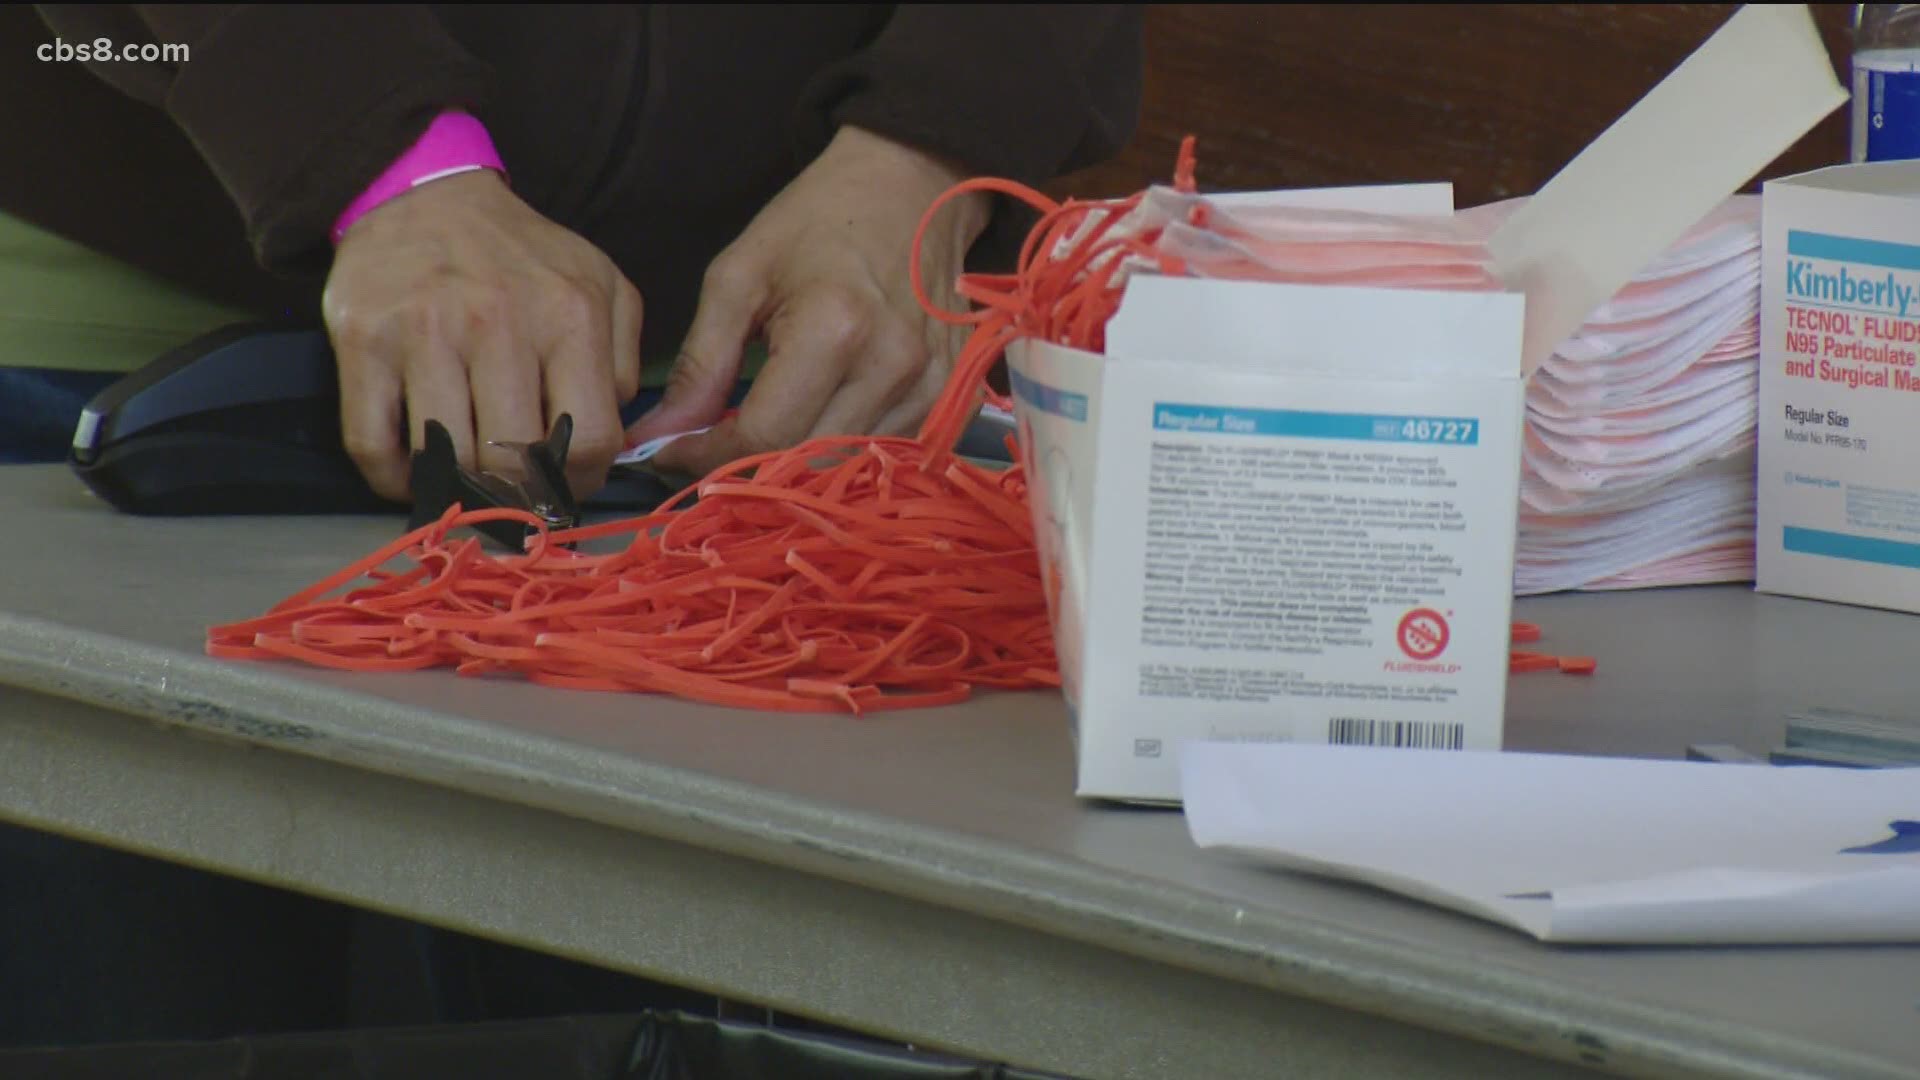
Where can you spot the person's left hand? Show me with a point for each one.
(822, 273)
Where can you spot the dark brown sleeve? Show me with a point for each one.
(295, 108)
(1023, 91)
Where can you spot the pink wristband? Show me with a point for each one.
(454, 143)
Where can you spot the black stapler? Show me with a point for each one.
(246, 420)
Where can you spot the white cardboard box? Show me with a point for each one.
(1172, 477)
(1839, 423)
(1277, 513)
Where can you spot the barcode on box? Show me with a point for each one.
(1435, 735)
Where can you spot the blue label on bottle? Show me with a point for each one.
(1893, 115)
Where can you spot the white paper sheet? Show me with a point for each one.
(634, 455)
(1578, 849)
(1762, 81)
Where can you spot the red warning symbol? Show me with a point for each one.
(1423, 633)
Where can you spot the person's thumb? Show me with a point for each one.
(703, 374)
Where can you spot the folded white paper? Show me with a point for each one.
(1578, 849)
(646, 451)
(1607, 215)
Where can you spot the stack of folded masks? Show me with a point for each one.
(1248, 237)
(1637, 467)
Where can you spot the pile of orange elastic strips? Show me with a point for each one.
(847, 574)
(1519, 660)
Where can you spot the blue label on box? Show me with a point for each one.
(1892, 104)
(1049, 399)
(1233, 420)
(1835, 545)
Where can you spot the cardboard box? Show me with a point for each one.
(1277, 512)
(1839, 422)
(1219, 498)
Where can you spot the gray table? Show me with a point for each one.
(923, 876)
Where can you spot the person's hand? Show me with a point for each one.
(458, 302)
(821, 273)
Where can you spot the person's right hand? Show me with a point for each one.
(458, 302)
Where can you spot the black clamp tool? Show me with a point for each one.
(536, 483)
